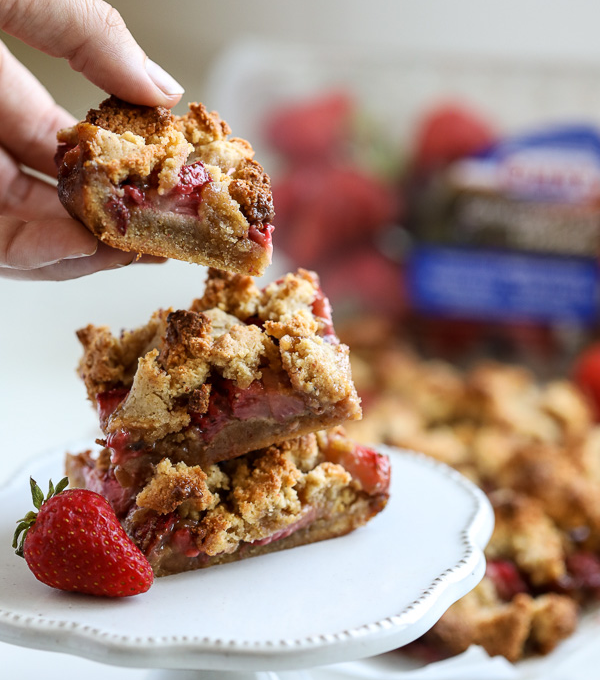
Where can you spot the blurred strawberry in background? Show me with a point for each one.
(448, 132)
(338, 211)
(372, 281)
(311, 129)
(331, 205)
(586, 374)
(326, 206)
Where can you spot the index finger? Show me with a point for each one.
(29, 115)
(94, 38)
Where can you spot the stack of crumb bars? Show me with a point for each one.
(221, 424)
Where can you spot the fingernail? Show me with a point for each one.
(120, 265)
(162, 79)
(78, 255)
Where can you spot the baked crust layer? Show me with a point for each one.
(144, 180)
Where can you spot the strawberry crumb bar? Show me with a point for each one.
(144, 180)
(240, 370)
(186, 517)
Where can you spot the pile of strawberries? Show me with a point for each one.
(338, 204)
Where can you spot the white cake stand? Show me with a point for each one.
(363, 594)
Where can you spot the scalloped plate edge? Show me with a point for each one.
(211, 654)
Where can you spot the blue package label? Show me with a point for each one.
(557, 164)
(484, 284)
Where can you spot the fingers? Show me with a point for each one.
(56, 250)
(29, 115)
(103, 259)
(93, 37)
(25, 196)
(35, 244)
(29, 198)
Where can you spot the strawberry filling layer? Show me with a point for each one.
(506, 578)
(371, 469)
(182, 537)
(261, 234)
(583, 574)
(321, 307)
(582, 577)
(107, 402)
(268, 398)
(263, 399)
(309, 517)
(183, 199)
(155, 531)
(123, 448)
(62, 150)
(121, 499)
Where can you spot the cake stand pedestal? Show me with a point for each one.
(376, 589)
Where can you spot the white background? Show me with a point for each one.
(42, 403)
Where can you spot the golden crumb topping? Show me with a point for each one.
(265, 486)
(201, 126)
(110, 360)
(118, 116)
(301, 325)
(239, 353)
(504, 628)
(234, 294)
(171, 485)
(317, 368)
(525, 534)
(250, 186)
(282, 300)
(121, 140)
(150, 406)
(220, 321)
(324, 485)
(122, 155)
(187, 337)
(535, 450)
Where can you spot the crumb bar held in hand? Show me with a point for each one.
(240, 370)
(147, 181)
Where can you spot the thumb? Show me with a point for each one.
(94, 38)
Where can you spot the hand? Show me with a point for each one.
(38, 239)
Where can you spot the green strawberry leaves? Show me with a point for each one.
(24, 524)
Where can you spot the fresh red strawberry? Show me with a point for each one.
(75, 542)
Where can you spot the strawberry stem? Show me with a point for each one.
(24, 524)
